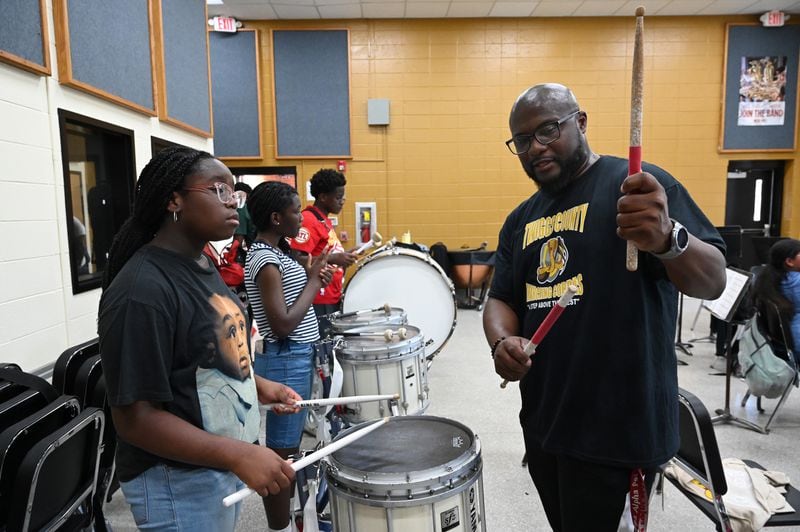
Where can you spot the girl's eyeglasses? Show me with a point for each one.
(224, 193)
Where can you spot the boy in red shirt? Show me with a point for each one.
(317, 232)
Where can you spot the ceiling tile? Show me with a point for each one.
(293, 12)
(427, 10)
(598, 8)
(683, 7)
(556, 9)
(469, 9)
(335, 2)
(384, 10)
(723, 7)
(244, 12)
(512, 9)
(768, 5)
(651, 7)
(343, 11)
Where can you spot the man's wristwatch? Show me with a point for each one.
(679, 241)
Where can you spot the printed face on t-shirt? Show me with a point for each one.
(233, 354)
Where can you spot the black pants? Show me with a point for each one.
(578, 496)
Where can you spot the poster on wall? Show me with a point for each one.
(760, 88)
(762, 91)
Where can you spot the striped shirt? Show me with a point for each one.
(293, 280)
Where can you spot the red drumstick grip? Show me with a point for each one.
(547, 323)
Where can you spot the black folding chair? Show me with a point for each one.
(90, 387)
(19, 407)
(17, 439)
(56, 480)
(69, 362)
(14, 381)
(699, 456)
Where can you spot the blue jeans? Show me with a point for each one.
(290, 363)
(171, 499)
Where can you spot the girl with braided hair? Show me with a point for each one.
(281, 292)
(176, 354)
(777, 285)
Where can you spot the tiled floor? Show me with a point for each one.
(465, 388)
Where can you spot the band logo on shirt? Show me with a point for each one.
(553, 258)
(553, 255)
(571, 219)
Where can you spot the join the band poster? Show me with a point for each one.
(762, 91)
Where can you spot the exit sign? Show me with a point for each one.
(224, 24)
(774, 18)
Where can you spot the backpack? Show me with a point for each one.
(766, 374)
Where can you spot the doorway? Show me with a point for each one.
(753, 199)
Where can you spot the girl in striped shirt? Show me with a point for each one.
(281, 292)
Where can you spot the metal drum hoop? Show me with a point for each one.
(349, 350)
(411, 488)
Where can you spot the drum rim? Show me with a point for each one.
(421, 480)
(347, 492)
(405, 346)
(391, 249)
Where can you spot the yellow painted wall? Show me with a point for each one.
(441, 171)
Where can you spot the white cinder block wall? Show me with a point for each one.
(39, 315)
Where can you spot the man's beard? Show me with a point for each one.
(570, 169)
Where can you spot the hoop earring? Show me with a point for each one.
(175, 216)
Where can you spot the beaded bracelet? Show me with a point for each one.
(495, 344)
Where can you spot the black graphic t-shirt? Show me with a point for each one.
(172, 333)
(603, 384)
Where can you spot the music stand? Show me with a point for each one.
(724, 308)
(732, 236)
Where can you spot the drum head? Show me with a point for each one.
(371, 342)
(350, 321)
(412, 281)
(406, 444)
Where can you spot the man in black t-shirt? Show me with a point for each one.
(599, 399)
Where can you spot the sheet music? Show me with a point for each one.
(725, 305)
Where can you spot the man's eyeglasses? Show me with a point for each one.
(545, 134)
(224, 193)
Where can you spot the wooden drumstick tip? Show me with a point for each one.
(388, 333)
(402, 332)
(640, 11)
(387, 308)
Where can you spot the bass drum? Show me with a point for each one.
(411, 280)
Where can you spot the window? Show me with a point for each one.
(99, 176)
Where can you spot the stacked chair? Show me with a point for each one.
(53, 445)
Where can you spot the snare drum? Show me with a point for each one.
(371, 365)
(410, 280)
(415, 474)
(354, 321)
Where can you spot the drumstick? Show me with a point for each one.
(635, 150)
(549, 320)
(374, 241)
(402, 332)
(313, 403)
(334, 446)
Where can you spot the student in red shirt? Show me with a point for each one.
(317, 232)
